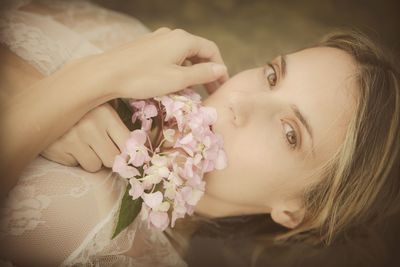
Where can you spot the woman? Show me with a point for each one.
(296, 139)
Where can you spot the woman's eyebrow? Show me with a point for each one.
(283, 65)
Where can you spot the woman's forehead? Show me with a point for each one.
(323, 59)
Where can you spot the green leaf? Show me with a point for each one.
(125, 113)
(128, 211)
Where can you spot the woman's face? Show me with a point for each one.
(279, 123)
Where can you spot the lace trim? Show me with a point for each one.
(104, 28)
(31, 43)
(46, 51)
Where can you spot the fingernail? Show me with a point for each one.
(219, 69)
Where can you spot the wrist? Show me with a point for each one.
(90, 76)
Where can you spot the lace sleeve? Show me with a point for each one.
(60, 31)
(42, 43)
(58, 215)
(52, 209)
(102, 27)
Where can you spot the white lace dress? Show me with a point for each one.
(58, 215)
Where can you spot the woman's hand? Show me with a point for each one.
(93, 142)
(150, 66)
(153, 65)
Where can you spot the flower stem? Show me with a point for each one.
(151, 146)
(152, 190)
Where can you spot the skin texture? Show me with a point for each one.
(92, 142)
(265, 173)
(57, 102)
(99, 136)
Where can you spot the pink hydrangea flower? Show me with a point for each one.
(155, 210)
(158, 170)
(136, 149)
(187, 143)
(120, 166)
(155, 218)
(144, 112)
(170, 182)
(173, 109)
(136, 190)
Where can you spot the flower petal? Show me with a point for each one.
(163, 172)
(153, 199)
(164, 207)
(149, 111)
(209, 115)
(122, 168)
(159, 219)
(169, 135)
(137, 104)
(119, 164)
(136, 190)
(221, 161)
(159, 160)
(139, 136)
(194, 197)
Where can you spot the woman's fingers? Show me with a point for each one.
(56, 153)
(86, 157)
(104, 147)
(161, 30)
(204, 50)
(142, 68)
(94, 141)
(212, 87)
(104, 131)
(74, 143)
(117, 130)
(202, 73)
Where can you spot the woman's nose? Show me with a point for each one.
(242, 106)
(248, 105)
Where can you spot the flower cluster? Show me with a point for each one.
(166, 173)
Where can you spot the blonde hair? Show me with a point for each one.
(359, 184)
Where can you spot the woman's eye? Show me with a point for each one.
(290, 135)
(270, 73)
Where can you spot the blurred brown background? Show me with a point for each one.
(250, 32)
